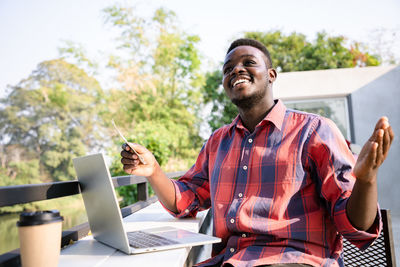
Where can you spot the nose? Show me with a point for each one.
(238, 68)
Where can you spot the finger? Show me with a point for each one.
(373, 154)
(378, 124)
(386, 141)
(130, 162)
(382, 123)
(129, 168)
(374, 136)
(138, 148)
(379, 150)
(126, 161)
(391, 134)
(128, 155)
(125, 147)
(368, 154)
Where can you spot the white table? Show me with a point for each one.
(89, 252)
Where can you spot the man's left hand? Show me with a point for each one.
(374, 152)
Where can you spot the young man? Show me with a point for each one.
(282, 184)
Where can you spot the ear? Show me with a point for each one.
(272, 75)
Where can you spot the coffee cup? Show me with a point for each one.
(40, 238)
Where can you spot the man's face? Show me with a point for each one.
(246, 77)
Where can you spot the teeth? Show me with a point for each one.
(240, 81)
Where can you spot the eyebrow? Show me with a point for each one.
(242, 56)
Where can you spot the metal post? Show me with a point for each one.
(142, 191)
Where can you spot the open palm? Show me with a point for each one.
(374, 151)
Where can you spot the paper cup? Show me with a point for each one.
(40, 238)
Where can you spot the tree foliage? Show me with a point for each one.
(50, 117)
(157, 94)
(291, 52)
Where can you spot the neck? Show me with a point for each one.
(253, 116)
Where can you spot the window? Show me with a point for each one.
(335, 109)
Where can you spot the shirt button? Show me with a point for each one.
(232, 221)
(250, 140)
(244, 235)
(244, 167)
(240, 195)
(232, 250)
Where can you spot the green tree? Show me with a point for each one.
(289, 53)
(157, 92)
(51, 117)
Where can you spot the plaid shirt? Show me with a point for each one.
(279, 194)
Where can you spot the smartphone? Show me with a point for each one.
(141, 159)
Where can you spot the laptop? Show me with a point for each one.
(105, 217)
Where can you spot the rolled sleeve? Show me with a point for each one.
(361, 239)
(185, 202)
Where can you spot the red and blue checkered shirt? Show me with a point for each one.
(278, 194)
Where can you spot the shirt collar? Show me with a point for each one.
(276, 116)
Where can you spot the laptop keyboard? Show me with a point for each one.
(139, 239)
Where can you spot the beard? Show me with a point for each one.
(250, 101)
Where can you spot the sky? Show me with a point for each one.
(32, 31)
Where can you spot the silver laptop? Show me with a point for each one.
(105, 217)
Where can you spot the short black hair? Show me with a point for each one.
(254, 43)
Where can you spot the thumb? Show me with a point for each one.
(138, 148)
(371, 152)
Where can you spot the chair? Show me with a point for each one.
(380, 253)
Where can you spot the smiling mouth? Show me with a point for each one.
(240, 81)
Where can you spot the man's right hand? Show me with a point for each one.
(131, 162)
(161, 184)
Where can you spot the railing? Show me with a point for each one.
(20, 194)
